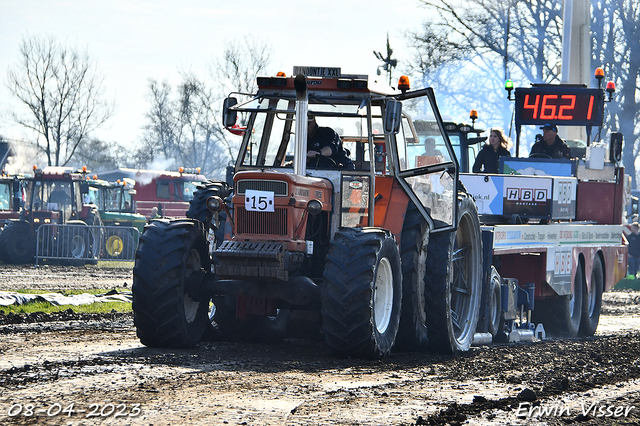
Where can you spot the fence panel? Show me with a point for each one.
(77, 244)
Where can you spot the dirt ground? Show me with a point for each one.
(90, 369)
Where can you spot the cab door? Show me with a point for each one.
(426, 165)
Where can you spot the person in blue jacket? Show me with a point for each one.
(497, 146)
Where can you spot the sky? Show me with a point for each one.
(133, 41)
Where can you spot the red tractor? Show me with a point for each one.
(54, 198)
(379, 244)
(12, 196)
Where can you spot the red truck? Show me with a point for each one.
(169, 191)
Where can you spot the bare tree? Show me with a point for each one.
(185, 127)
(63, 92)
(467, 50)
(236, 71)
(96, 155)
(615, 37)
(199, 145)
(160, 130)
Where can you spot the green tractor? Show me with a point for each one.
(117, 212)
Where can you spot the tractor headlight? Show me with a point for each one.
(215, 203)
(314, 207)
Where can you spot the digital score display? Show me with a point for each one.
(566, 106)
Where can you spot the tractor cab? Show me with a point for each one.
(378, 145)
(13, 192)
(54, 198)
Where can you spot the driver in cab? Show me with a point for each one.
(324, 147)
(550, 144)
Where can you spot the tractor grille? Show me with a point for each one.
(278, 187)
(261, 223)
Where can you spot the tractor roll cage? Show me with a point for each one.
(258, 150)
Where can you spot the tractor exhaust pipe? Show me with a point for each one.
(302, 108)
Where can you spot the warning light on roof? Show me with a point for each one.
(84, 169)
(181, 169)
(473, 115)
(403, 83)
(281, 74)
(611, 87)
(599, 73)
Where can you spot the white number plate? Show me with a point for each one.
(258, 201)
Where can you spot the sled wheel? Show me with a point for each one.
(561, 315)
(362, 293)
(412, 332)
(165, 315)
(592, 301)
(494, 298)
(454, 282)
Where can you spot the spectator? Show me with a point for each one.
(550, 143)
(488, 157)
(633, 258)
(154, 213)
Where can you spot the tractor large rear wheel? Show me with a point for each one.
(412, 332)
(454, 282)
(362, 293)
(18, 243)
(165, 315)
(213, 222)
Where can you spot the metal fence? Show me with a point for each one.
(78, 244)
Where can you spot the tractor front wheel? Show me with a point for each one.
(362, 293)
(165, 315)
(412, 332)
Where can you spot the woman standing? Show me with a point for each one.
(487, 159)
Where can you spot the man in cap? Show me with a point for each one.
(632, 234)
(551, 144)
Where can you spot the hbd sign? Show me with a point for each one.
(527, 195)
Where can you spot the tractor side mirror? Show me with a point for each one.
(229, 117)
(392, 116)
(615, 147)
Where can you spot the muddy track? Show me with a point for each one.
(96, 363)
